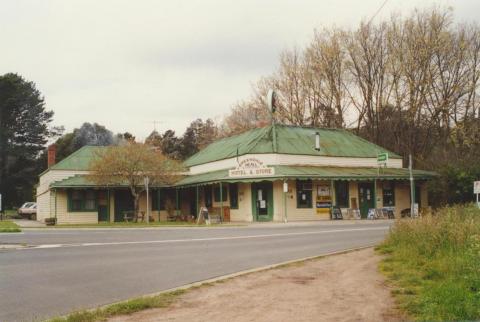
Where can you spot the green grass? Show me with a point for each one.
(434, 264)
(7, 226)
(122, 308)
(10, 213)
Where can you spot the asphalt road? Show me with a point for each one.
(67, 270)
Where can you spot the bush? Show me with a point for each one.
(434, 264)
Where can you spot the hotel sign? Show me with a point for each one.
(251, 167)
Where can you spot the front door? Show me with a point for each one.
(366, 197)
(123, 203)
(262, 201)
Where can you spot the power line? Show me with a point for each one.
(378, 11)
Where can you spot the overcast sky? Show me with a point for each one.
(125, 64)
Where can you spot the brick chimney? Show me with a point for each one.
(52, 151)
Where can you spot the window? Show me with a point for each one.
(90, 200)
(341, 194)
(82, 200)
(304, 193)
(158, 199)
(216, 195)
(388, 194)
(233, 191)
(76, 200)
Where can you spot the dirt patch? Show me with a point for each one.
(344, 287)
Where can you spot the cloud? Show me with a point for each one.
(125, 64)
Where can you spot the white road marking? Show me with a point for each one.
(168, 241)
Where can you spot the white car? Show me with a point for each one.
(28, 210)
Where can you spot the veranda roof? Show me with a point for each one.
(281, 172)
(311, 172)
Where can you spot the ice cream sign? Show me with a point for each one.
(251, 167)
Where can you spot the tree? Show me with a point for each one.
(130, 164)
(154, 139)
(24, 130)
(171, 145)
(198, 135)
(88, 134)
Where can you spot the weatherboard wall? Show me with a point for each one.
(287, 159)
(66, 217)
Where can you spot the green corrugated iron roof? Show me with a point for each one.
(290, 140)
(82, 181)
(281, 172)
(78, 160)
(311, 172)
(78, 181)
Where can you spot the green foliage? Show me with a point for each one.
(9, 227)
(454, 184)
(434, 263)
(23, 133)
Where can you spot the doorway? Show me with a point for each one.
(366, 198)
(262, 201)
(123, 202)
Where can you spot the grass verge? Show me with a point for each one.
(127, 307)
(8, 226)
(433, 263)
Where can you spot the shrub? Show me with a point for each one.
(434, 263)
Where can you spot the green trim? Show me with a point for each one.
(219, 192)
(55, 203)
(82, 201)
(268, 187)
(221, 201)
(392, 188)
(176, 202)
(197, 198)
(309, 204)
(336, 191)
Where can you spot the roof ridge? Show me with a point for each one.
(257, 139)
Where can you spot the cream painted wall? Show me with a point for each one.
(288, 159)
(244, 211)
(65, 217)
(294, 213)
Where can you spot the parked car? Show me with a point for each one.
(28, 210)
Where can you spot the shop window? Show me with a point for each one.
(304, 193)
(208, 196)
(341, 194)
(233, 191)
(216, 194)
(388, 194)
(82, 200)
(158, 199)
